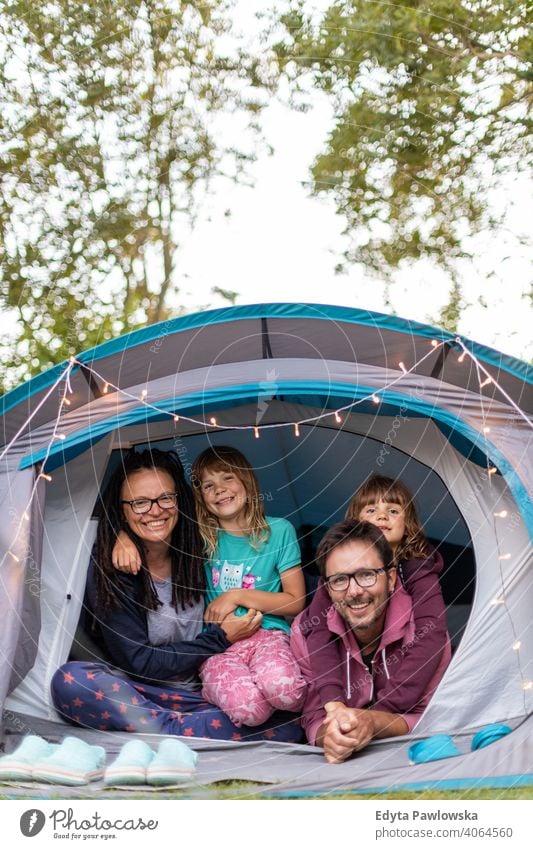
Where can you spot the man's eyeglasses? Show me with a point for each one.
(144, 505)
(364, 578)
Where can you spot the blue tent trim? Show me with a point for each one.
(323, 312)
(206, 399)
(497, 781)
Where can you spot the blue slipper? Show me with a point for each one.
(73, 763)
(173, 763)
(489, 734)
(433, 749)
(19, 764)
(131, 764)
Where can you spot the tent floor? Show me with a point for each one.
(285, 770)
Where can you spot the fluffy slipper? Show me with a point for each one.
(75, 762)
(130, 765)
(174, 762)
(19, 764)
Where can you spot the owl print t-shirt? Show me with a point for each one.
(237, 564)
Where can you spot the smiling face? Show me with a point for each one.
(157, 524)
(363, 609)
(224, 496)
(389, 517)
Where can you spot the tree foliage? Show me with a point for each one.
(110, 131)
(431, 109)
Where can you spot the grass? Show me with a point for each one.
(241, 790)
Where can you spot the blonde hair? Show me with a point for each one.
(224, 458)
(380, 488)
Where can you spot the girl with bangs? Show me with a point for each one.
(253, 563)
(389, 505)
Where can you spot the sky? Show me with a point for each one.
(279, 244)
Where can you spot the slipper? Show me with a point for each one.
(433, 749)
(19, 764)
(173, 763)
(130, 765)
(489, 734)
(75, 762)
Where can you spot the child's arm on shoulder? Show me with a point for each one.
(125, 555)
(288, 602)
(410, 679)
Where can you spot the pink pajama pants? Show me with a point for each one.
(253, 678)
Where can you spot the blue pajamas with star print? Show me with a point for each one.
(91, 696)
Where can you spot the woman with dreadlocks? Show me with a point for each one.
(149, 626)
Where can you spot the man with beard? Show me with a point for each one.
(371, 618)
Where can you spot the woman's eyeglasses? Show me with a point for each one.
(364, 578)
(144, 505)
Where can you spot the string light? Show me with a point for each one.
(338, 418)
(502, 514)
(256, 432)
(296, 429)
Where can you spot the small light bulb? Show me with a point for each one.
(46, 477)
(61, 436)
(402, 367)
(213, 421)
(296, 429)
(144, 393)
(504, 557)
(66, 402)
(256, 432)
(528, 685)
(485, 382)
(516, 645)
(72, 359)
(461, 358)
(375, 399)
(25, 515)
(176, 418)
(497, 601)
(14, 556)
(434, 343)
(502, 514)
(492, 470)
(486, 429)
(105, 390)
(338, 418)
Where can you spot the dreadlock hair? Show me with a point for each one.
(224, 458)
(381, 488)
(186, 556)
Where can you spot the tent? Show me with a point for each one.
(318, 397)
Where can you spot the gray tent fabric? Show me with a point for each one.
(284, 770)
(370, 393)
